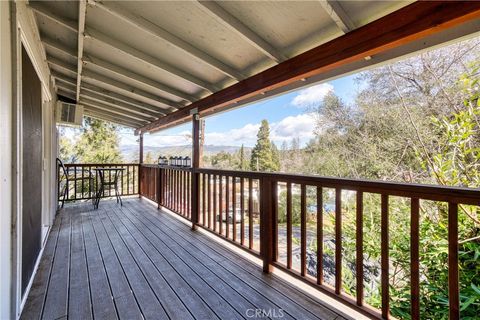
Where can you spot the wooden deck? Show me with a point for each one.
(135, 262)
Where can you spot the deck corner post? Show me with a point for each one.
(266, 223)
(195, 194)
(140, 162)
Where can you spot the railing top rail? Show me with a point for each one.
(412, 190)
(99, 164)
(168, 167)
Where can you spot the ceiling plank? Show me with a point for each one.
(111, 102)
(67, 87)
(108, 95)
(145, 58)
(241, 29)
(94, 113)
(66, 93)
(335, 10)
(56, 45)
(82, 12)
(118, 97)
(160, 33)
(410, 23)
(125, 89)
(118, 113)
(107, 66)
(64, 79)
(40, 9)
(62, 65)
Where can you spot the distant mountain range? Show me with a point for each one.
(130, 152)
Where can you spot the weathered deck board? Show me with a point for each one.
(56, 303)
(102, 298)
(135, 262)
(264, 296)
(79, 303)
(34, 305)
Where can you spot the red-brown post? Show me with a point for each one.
(140, 162)
(195, 175)
(266, 227)
(159, 187)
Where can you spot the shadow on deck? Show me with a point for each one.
(135, 262)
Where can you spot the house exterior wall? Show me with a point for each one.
(6, 101)
(19, 29)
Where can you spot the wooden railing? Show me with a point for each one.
(245, 208)
(82, 182)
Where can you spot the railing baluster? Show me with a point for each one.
(359, 247)
(338, 240)
(170, 189)
(220, 205)
(204, 199)
(67, 184)
(75, 183)
(227, 206)
(82, 190)
(453, 285)
(215, 202)
(384, 257)
(178, 199)
(289, 225)
(303, 229)
(234, 208)
(242, 211)
(414, 257)
(183, 184)
(274, 221)
(209, 200)
(319, 235)
(250, 214)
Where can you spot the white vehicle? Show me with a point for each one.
(238, 216)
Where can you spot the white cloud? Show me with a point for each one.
(168, 140)
(301, 126)
(312, 95)
(245, 135)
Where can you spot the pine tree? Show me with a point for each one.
(264, 155)
(243, 163)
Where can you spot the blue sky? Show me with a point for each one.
(289, 116)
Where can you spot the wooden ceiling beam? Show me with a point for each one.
(62, 65)
(82, 12)
(56, 45)
(335, 10)
(40, 9)
(120, 98)
(94, 113)
(160, 33)
(124, 73)
(231, 22)
(125, 89)
(116, 104)
(410, 23)
(116, 112)
(138, 55)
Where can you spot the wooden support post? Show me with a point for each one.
(140, 162)
(266, 224)
(195, 194)
(159, 188)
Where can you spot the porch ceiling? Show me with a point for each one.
(147, 60)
